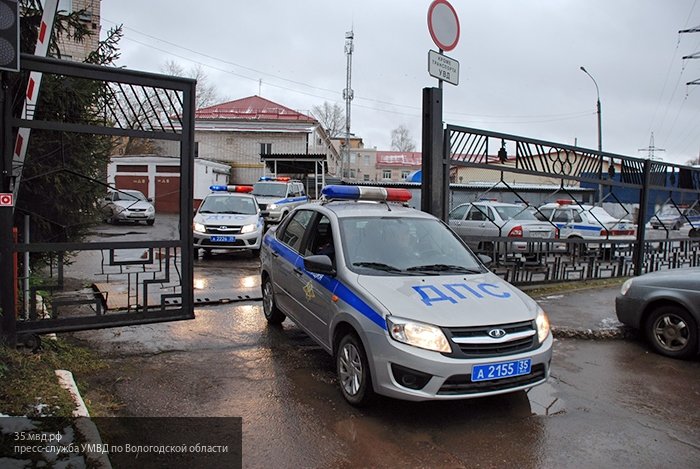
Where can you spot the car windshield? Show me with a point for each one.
(131, 196)
(669, 211)
(514, 212)
(270, 189)
(404, 246)
(229, 204)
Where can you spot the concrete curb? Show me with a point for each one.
(621, 332)
(82, 423)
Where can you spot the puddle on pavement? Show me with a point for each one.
(544, 402)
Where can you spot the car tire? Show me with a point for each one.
(672, 331)
(352, 368)
(207, 253)
(255, 252)
(273, 315)
(150, 222)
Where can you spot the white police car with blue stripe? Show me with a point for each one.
(229, 219)
(406, 309)
(278, 196)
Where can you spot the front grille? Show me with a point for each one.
(486, 346)
(224, 230)
(237, 243)
(462, 384)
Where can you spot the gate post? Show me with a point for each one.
(640, 248)
(7, 286)
(434, 162)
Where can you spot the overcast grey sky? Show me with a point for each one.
(519, 63)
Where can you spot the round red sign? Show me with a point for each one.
(443, 25)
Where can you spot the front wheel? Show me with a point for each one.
(353, 371)
(273, 315)
(150, 222)
(672, 331)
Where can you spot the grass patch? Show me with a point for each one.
(28, 384)
(549, 289)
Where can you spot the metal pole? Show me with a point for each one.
(433, 180)
(8, 320)
(640, 248)
(600, 137)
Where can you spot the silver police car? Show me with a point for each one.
(228, 219)
(278, 196)
(400, 301)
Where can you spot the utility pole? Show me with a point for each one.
(692, 56)
(347, 96)
(651, 149)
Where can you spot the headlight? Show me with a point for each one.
(542, 325)
(418, 334)
(150, 209)
(247, 229)
(272, 206)
(626, 286)
(199, 228)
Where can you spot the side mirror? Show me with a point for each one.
(486, 260)
(319, 264)
(150, 199)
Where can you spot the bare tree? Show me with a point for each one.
(207, 94)
(401, 139)
(331, 117)
(693, 161)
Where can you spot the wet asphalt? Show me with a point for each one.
(609, 402)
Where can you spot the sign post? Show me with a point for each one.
(443, 26)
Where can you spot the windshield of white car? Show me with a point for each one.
(229, 205)
(508, 212)
(270, 189)
(404, 246)
(130, 196)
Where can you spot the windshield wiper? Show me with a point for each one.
(444, 268)
(205, 211)
(377, 266)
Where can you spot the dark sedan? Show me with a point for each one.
(665, 306)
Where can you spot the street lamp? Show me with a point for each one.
(600, 137)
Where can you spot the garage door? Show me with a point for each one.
(167, 198)
(137, 183)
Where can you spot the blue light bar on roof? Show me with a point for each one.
(379, 194)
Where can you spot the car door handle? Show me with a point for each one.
(298, 272)
(275, 254)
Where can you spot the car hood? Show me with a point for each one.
(225, 219)
(268, 199)
(451, 300)
(133, 205)
(679, 278)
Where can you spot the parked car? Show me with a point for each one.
(665, 306)
(406, 309)
(127, 205)
(228, 219)
(478, 220)
(673, 217)
(278, 196)
(580, 221)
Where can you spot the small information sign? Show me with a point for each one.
(443, 68)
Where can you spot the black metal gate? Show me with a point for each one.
(532, 172)
(150, 278)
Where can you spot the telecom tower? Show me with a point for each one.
(347, 96)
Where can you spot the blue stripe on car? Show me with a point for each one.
(331, 284)
(290, 200)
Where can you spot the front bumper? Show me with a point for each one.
(251, 240)
(629, 310)
(448, 378)
(127, 215)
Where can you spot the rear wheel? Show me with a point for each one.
(353, 372)
(672, 331)
(273, 315)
